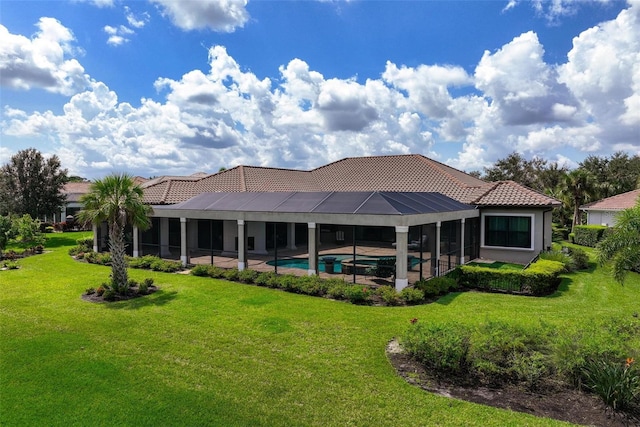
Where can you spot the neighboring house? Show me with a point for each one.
(73, 192)
(381, 199)
(603, 212)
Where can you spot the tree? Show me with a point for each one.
(31, 184)
(117, 201)
(622, 245)
(578, 187)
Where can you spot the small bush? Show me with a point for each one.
(389, 295)
(588, 235)
(313, 285)
(268, 279)
(148, 281)
(165, 265)
(412, 295)
(200, 270)
(109, 295)
(337, 290)
(10, 265)
(580, 258)
(288, 282)
(247, 276)
(143, 288)
(231, 274)
(357, 294)
(561, 257)
(90, 291)
(443, 347)
(428, 287)
(617, 384)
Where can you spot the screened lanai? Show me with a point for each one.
(242, 225)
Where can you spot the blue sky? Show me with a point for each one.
(165, 87)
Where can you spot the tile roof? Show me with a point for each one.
(510, 193)
(399, 173)
(75, 190)
(614, 203)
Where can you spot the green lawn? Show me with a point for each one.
(209, 352)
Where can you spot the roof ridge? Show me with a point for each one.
(166, 191)
(445, 169)
(491, 185)
(243, 180)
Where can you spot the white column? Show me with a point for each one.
(462, 241)
(437, 266)
(183, 242)
(94, 227)
(136, 243)
(402, 238)
(242, 262)
(291, 236)
(313, 249)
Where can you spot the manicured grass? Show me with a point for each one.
(210, 352)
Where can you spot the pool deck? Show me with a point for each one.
(259, 262)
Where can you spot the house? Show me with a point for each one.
(603, 212)
(380, 199)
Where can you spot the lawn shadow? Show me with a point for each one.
(158, 298)
(564, 287)
(447, 299)
(61, 241)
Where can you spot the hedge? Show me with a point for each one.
(588, 235)
(541, 278)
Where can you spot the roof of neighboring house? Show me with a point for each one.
(614, 203)
(397, 173)
(75, 190)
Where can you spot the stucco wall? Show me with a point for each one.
(541, 238)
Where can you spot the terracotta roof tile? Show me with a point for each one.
(615, 203)
(403, 173)
(510, 193)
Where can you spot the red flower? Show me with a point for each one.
(414, 320)
(630, 361)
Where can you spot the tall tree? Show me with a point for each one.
(579, 188)
(31, 184)
(622, 246)
(117, 201)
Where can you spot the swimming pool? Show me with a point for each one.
(303, 263)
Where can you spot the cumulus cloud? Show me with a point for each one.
(45, 61)
(218, 15)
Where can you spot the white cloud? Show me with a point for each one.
(218, 15)
(226, 115)
(43, 61)
(136, 21)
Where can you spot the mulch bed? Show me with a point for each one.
(133, 293)
(561, 404)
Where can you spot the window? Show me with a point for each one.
(507, 231)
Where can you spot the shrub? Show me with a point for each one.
(542, 277)
(143, 288)
(268, 279)
(500, 351)
(389, 295)
(288, 282)
(10, 265)
(337, 289)
(312, 285)
(142, 262)
(428, 287)
(200, 270)
(49, 229)
(247, 276)
(90, 291)
(580, 258)
(148, 281)
(617, 384)
(109, 295)
(231, 274)
(357, 294)
(102, 258)
(443, 347)
(385, 267)
(588, 235)
(412, 295)
(561, 257)
(165, 266)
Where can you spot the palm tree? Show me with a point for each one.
(579, 187)
(117, 200)
(622, 246)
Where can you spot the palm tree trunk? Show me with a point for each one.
(117, 248)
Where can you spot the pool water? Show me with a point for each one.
(303, 263)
